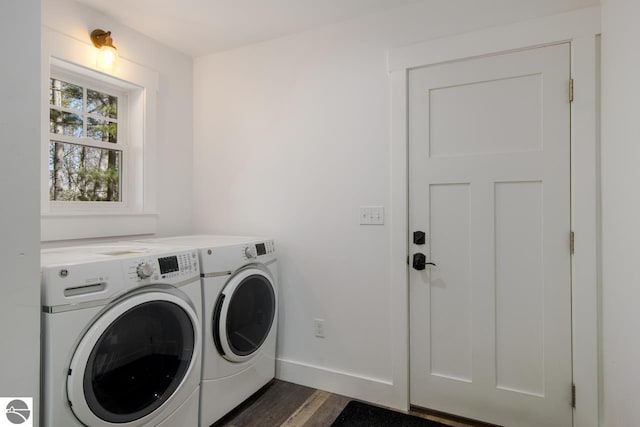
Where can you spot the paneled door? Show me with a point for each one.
(490, 322)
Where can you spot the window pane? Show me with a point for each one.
(81, 173)
(64, 123)
(102, 104)
(102, 130)
(63, 94)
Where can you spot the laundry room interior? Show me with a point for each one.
(286, 119)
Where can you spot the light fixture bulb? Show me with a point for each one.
(107, 58)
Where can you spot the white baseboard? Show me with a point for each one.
(375, 390)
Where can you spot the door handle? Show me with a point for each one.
(420, 261)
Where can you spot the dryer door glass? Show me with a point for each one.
(139, 361)
(250, 314)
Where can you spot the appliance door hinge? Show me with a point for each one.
(573, 395)
(572, 242)
(570, 90)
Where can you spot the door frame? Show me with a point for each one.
(581, 29)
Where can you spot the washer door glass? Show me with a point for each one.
(139, 361)
(245, 312)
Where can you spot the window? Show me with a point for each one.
(87, 140)
(98, 144)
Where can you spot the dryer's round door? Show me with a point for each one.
(244, 314)
(133, 360)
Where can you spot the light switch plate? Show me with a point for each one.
(371, 215)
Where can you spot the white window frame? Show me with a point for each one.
(135, 214)
(122, 145)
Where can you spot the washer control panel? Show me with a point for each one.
(171, 267)
(256, 250)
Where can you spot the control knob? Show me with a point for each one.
(250, 252)
(144, 270)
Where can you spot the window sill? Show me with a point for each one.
(86, 226)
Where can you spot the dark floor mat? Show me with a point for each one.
(358, 414)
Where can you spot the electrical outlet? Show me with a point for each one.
(319, 328)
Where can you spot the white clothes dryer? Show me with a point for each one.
(240, 306)
(121, 336)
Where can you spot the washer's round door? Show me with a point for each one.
(133, 360)
(244, 314)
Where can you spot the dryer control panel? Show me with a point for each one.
(167, 268)
(255, 250)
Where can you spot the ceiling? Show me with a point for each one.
(199, 27)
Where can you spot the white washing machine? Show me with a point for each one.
(121, 336)
(240, 305)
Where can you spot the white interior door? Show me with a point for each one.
(489, 148)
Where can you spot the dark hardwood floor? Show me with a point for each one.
(285, 404)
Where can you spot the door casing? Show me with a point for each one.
(581, 29)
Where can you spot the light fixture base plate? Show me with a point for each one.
(101, 38)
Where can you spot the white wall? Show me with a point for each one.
(174, 107)
(291, 136)
(620, 211)
(20, 203)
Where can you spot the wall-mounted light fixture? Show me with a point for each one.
(108, 54)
